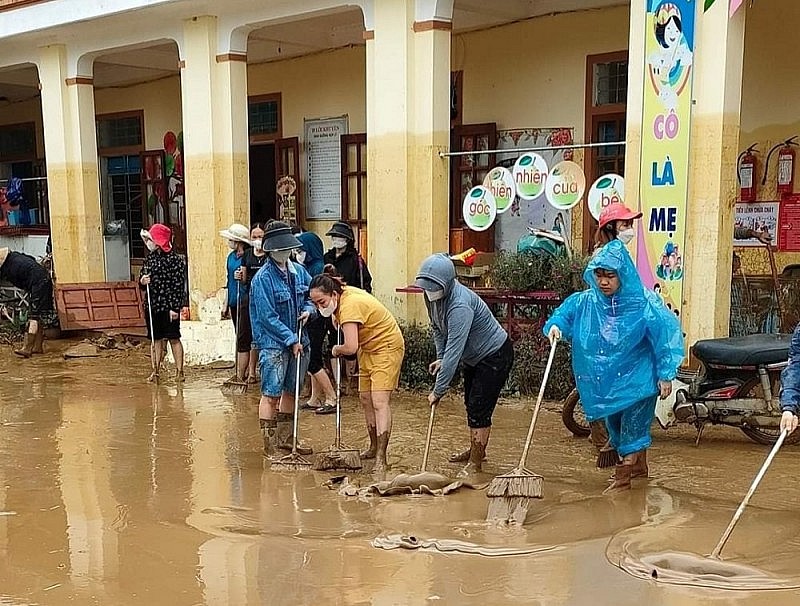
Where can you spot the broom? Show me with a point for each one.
(510, 493)
(235, 385)
(606, 454)
(338, 456)
(294, 461)
(153, 362)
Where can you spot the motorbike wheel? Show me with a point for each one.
(764, 435)
(573, 417)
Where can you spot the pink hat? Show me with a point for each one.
(617, 212)
(160, 234)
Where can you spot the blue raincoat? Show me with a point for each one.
(622, 345)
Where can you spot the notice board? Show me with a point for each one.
(789, 224)
(324, 167)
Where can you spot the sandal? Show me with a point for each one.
(326, 409)
(309, 406)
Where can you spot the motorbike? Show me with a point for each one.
(737, 385)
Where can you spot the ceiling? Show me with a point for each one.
(285, 40)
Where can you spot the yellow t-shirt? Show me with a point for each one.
(377, 328)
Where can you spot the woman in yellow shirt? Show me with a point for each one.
(371, 332)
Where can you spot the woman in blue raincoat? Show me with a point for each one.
(626, 349)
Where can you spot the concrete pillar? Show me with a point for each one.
(214, 93)
(635, 103)
(73, 184)
(408, 123)
(712, 173)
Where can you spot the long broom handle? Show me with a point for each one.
(538, 406)
(152, 330)
(236, 330)
(428, 439)
(338, 392)
(726, 535)
(297, 389)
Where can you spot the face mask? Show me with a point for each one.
(232, 244)
(280, 256)
(327, 311)
(257, 244)
(151, 246)
(434, 295)
(301, 257)
(625, 236)
(339, 243)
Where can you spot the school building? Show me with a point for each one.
(192, 113)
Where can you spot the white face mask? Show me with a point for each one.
(232, 244)
(339, 243)
(625, 236)
(434, 295)
(151, 246)
(300, 256)
(257, 244)
(327, 311)
(280, 256)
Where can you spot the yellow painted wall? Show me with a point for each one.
(316, 86)
(160, 100)
(770, 99)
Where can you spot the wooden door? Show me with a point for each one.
(354, 186)
(287, 164)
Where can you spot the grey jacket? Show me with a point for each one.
(464, 328)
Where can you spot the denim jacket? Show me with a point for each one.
(273, 309)
(790, 377)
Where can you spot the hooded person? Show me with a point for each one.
(24, 272)
(626, 349)
(279, 303)
(465, 332)
(312, 252)
(163, 277)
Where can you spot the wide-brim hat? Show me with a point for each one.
(340, 229)
(160, 234)
(236, 232)
(279, 236)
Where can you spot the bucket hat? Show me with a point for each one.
(160, 234)
(236, 232)
(279, 236)
(341, 229)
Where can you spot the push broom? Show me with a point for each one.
(294, 461)
(510, 494)
(338, 456)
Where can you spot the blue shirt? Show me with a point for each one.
(234, 263)
(277, 298)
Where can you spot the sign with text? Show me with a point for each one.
(664, 161)
(758, 216)
(480, 208)
(500, 182)
(789, 224)
(566, 185)
(324, 167)
(608, 189)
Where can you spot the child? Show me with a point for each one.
(626, 349)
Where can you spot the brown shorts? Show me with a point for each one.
(379, 370)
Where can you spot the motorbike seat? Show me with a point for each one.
(752, 350)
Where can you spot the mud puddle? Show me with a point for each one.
(125, 493)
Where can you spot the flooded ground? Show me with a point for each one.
(113, 491)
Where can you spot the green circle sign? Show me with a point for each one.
(480, 208)
(566, 185)
(530, 176)
(608, 189)
(501, 183)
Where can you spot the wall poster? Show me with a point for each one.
(322, 139)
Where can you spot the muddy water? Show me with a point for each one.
(117, 492)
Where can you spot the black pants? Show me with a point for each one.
(482, 385)
(240, 314)
(41, 299)
(318, 329)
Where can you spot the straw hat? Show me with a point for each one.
(236, 232)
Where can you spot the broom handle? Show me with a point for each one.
(297, 389)
(338, 393)
(428, 439)
(236, 331)
(726, 535)
(152, 330)
(538, 406)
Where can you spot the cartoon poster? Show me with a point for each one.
(758, 216)
(664, 164)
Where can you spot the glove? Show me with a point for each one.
(554, 334)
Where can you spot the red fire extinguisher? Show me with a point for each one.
(785, 176)
(746, 173)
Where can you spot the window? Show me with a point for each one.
(125, 198)
(354, 186)
(264, 117)
(610, 83)
(18, 142)
(120, 134)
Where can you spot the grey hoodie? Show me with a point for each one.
(464, 328)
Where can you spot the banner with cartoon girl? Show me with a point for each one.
(667, 108)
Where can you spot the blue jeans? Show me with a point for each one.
(279, 371)
(629, 429)
(790, 377)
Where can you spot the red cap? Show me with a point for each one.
(617, 212)
(161, 235)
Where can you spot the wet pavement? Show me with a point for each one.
(113, 491)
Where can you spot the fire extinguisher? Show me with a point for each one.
(746, 174)
(785, 176)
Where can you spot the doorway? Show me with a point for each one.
(262, 182)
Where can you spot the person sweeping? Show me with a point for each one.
(25, 273)
(278, 301)
(465, 331)
(626, 349)
(371, 332)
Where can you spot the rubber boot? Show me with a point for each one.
(38, 342)
(286, 435)
(622, 475)
(640, 468)
(369, 453)
(27, 347)
(381, 465)
(269, 429)
(598, 434)
(476, 457)
(463, 456)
